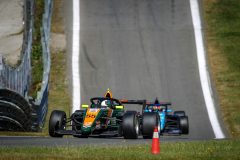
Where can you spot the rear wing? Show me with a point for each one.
(124, 101)
(159, 104)
(140, 102)
(165, 104)
(144, 103)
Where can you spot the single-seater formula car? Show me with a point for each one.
(170, 122)
(105, 116)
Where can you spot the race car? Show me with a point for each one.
(170, 122)
(105, 116)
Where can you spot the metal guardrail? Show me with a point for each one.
(42, 98)
(19, 79)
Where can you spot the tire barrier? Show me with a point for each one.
(15, 112)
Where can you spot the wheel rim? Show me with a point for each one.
(159, 127)
(64, 123)
(137, 127)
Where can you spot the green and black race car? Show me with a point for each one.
(104, 117)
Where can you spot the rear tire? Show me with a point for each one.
(130, 125)
(179, 113)
(149, 122)
(184, 126)
(57, 121)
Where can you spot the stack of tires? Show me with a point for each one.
(15, 112)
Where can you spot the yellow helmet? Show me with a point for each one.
(108, 94)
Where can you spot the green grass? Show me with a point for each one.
(36, 57)
(224, 149)
(57, 17)
(223, 36)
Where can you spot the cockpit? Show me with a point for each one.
(154, 108)
(100, 102)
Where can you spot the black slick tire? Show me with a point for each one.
(57, 122)
(130, 125)
(184, 126)
(149, 122)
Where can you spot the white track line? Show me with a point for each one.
(76, 93)
(203, 71)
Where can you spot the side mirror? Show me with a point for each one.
(119, 107)
(85, 106)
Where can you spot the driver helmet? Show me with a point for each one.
(155, 108)
(150, 108)
(105, 103)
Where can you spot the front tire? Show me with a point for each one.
(57, 122)
(130, 125)
(179, 113)
(184, 126)
(149, 122)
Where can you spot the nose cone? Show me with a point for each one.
(86, 130)
(89, 120)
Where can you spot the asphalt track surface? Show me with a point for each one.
(143, 49)
(140, 49)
